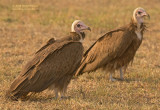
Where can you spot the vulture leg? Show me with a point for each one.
(122, 71)
(52, 87)
(121, 74)
(111, 78)
(56, 93)
(63, 95)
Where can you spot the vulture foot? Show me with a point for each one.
(111, 78)
(65, 97)
(121, 74)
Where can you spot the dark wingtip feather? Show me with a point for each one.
(9, 96)
(80, 70)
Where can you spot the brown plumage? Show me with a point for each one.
(52, 66)
(114, 50)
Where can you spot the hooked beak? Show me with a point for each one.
(86, 28)
(89, 28)
(146, 14)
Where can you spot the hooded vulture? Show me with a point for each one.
(52, 67)
(117, 48)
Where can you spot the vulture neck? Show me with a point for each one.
(138, 28)
(77, 37)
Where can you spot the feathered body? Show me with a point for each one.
(52, 67)
(113, 50)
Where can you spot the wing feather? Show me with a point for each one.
(48, 66)
(65, 61)
(50, 41)
(113, 44)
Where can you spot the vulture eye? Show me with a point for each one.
(139, 12)
(78, 25)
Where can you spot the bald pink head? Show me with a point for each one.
(139, 14)
(78, 26)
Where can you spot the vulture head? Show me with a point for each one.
(78, 27)
(139, 14)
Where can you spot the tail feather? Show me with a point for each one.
(80, 69)
(18, 89)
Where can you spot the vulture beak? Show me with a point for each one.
(146, 14)
(84, 27)
(89, 28)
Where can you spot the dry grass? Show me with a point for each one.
(23, 32)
